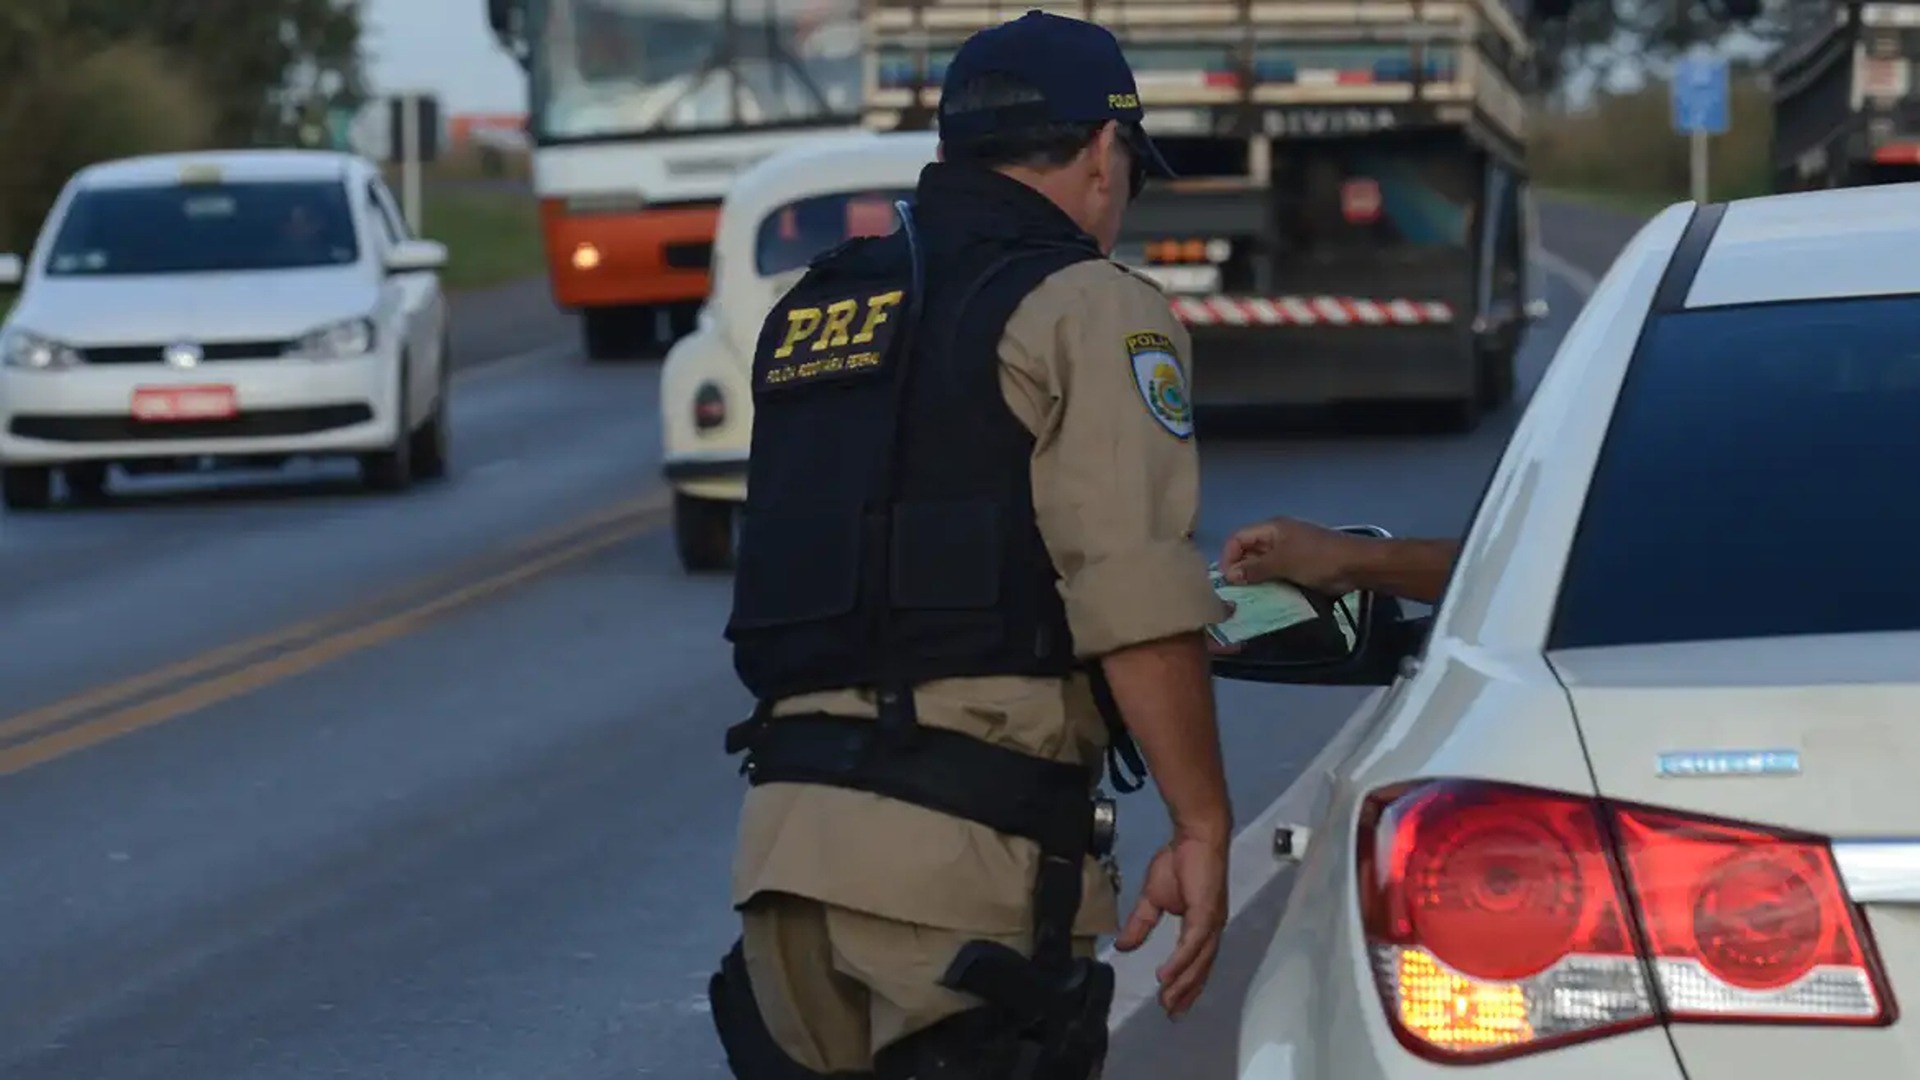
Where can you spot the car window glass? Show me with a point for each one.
(1756, 480)
(190, 228)
(396, 222)
(792, 235)
(379, 214)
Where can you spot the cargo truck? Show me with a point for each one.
(1844, 111)
(1352, 220)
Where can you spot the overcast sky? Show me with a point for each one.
(441, 47)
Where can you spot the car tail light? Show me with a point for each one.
(709, 407)
(1504, 920)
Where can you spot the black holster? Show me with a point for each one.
(1045, 1016)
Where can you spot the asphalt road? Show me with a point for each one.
(299, 782)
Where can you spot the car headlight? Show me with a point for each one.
(19, 349)
(337, 341)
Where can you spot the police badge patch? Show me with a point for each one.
(1162, 382)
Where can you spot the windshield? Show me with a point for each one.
(197, 228)
(623, 67)
(791, 236)
(1757, 480)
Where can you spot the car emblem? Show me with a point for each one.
(182, 354)
(1708, 763)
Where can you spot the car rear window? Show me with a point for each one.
(791, 236)
(1760, 477)
(195, 228)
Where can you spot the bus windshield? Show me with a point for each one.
(608, 68)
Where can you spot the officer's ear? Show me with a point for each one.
(1108, 162)
(940, 151)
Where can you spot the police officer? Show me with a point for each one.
(966, 572)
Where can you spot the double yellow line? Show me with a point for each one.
(154, 697)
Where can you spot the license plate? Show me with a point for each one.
(184, 403)
(1192, 280)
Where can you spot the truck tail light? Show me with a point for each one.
(1503, 920)
(1194, 251)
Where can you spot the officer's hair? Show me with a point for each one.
(1035, 146)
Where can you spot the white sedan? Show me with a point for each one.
(1646, 802)
(246, 306)
(778, 215)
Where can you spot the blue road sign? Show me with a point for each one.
(1700, 95)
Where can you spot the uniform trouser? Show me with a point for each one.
(836, 987)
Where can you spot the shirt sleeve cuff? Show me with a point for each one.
(1152, 593)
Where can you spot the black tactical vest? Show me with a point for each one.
(888, 536)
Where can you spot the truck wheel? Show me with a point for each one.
(703, 533)
(600, 332)
(1493, 372)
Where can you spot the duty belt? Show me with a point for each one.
(1052, 803)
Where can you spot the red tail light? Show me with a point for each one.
(1504, 920)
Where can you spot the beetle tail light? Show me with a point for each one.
(1504, 920)
(709, 407)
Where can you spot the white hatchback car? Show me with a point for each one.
(778, 215)
(250, 306)
(1646, 802)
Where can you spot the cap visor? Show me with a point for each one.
(1148, 153)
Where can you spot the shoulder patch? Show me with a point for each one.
(834, 338)
(1162, 381)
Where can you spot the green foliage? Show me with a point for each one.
(1624, 146)
(77, 108)
(1605, 37)
(88, 80)
(492, 237)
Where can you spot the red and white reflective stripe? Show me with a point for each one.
(1307, 311)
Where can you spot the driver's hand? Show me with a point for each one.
(1287, 549)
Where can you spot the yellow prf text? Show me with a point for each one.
(832, 327)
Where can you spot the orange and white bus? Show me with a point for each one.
(641, 113)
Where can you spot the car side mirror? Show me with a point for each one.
(12, 271)
(414, 256)
(1359, 639)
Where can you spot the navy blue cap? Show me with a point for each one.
(1077, 66)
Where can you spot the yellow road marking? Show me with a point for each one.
(332, 647)
(71, 708)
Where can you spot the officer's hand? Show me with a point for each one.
(1287, 549)
(1187, 878)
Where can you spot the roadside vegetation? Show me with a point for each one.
(1622, 151)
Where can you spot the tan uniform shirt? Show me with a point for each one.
(1095, 365)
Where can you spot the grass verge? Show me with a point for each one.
(1621, 151)
(492, 237)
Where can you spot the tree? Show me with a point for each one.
(88, 80)
(259, 61)
(1603, 36)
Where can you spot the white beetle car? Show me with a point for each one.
(778, 215)
(1647, 802)
(245, 305)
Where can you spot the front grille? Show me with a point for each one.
(260, 423)
(689, 256)
(213, 350)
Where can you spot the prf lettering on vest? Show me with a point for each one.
(842, 338)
